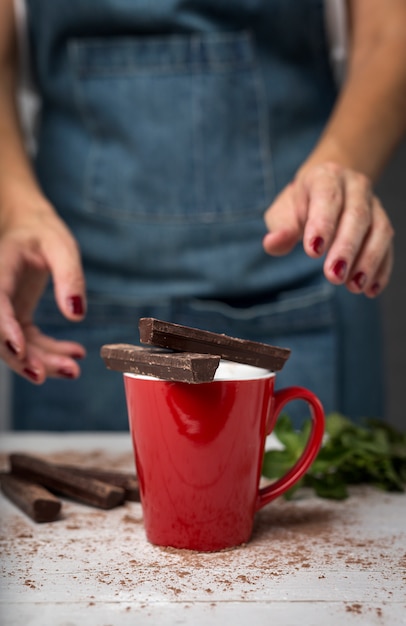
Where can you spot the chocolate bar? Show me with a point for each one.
(34, 500)
(125, 480)
(184, 367)
(186, 339)
(81, 488)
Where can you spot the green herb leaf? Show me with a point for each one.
(277, 463)
(373, 453)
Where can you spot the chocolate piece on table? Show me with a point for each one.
(125, 480)
(186, 339)
(81, 488)
(34, 500)
(184, 367)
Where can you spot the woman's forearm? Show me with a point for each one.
(17, 180)
(369, 118)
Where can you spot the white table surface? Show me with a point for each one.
(310, 561)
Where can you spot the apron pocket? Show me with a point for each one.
(176, 126)
(302, 310)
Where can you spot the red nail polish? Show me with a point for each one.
(339, 268)
(360, 279)
(30, 373)
(11, 347)
(317, 245)
(375, 289)
(76, 305)
(65, 373)
(76, 356)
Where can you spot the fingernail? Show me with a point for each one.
(360, 279)
(65, 373)
(31, 373)
(375, 289)
(11, 347)
(339, 268)
(76, 305)
(77, 356)
(317, 245)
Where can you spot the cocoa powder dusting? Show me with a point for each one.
(108, 552)
(354, 608)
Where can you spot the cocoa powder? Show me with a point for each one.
(288, 537)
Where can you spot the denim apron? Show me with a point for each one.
(167, 128)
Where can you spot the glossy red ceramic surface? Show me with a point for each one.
(199, 451)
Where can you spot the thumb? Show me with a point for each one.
(284, 220)
(63, 258)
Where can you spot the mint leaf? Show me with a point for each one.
(277, 463)
(372, 453)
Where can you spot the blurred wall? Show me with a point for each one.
(392, 190)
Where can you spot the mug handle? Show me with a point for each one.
(282, 397)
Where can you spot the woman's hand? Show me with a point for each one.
(331, 205)
(335, 212)
(34, 243)
(34, 246)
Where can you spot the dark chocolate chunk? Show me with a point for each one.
(181, 367)
(125, 480)
(33, 499)
(81, 488)
(186, 339)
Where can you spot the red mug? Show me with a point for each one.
(199, 450)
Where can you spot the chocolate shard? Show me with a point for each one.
(125, 480)
(180, 367)
(81, 488)
(186, 339)
(33, 499)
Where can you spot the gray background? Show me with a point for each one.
(392, 191)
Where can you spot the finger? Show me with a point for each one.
(23, 277)
(43, 357)
(382, 276)
(41, 363)
(71, 349)
(59, 358)
(353, 229)
(284, 220)
(63, 258)
(56, 364)
(372, 269)
(326, 199)
(30, 367)
(11, 336)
